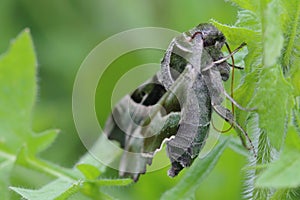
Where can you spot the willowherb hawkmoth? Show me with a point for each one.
(175, 105)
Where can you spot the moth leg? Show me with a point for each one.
(223, 59)
(228, 116)
(237, 67)
(236, 103)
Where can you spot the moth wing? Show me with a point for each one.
(131, 111)
(140, 123)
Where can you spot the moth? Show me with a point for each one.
(176, 105)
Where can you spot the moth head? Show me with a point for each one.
(210, 35)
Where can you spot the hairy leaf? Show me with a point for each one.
(18, 89)
(58, 189)
(284, 173)
(273, 103)
(247, 4)
(19, 145)
(272, 34)
(271, 84)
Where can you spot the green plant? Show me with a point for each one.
(19, 145)
(270, 84)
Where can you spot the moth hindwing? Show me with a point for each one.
(175, 105)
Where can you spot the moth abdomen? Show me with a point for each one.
(185, 147)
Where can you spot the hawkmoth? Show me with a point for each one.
(176, 105)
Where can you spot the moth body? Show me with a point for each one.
(175, 106)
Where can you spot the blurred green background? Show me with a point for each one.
(64, 32)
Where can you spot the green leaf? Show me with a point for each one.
(192, 179)
(273, 103)
(248, 19)
(284, 173)
(18, 89)
(287, 194)
(244, 95)
(27, 170)
(272, 34)
(296, 119)
(58, 189)
(237, 35)
(270, 84)
(251, 5)
(41, 141)
(293, 140)
(19, 145)
(235, 145)
(113, 182)
(18, 85)
(295, 81)
(89, 171)
(5, 169)
(291, 26)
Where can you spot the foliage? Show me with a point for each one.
(270, 84)
(271, 29)
(20, 146)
